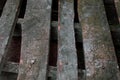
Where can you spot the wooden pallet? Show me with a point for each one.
(38, 47)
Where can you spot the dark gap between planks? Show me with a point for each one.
(53, 51)
(2, 4)
(15, 45)
(13, 53)
(79, 45)
(54, 16)
(23, 9)
(111, 12)
(76, 20)
(113, 21)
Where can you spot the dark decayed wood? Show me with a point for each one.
(100, 59)
(7, 24)
(67, 57)
(35, 40)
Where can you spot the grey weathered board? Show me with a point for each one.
(7, 24)
(115, 29)
(67, 57)
(35, 40)
(100, 59)
(12, 67)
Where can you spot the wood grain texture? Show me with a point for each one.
(7, 24)
(35, 40)
(100, 59)
(67, 56)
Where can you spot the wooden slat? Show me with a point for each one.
(100, 59)
(13, 67)
(7, 24)
(115, 30)
(67, 57)
(35, 40)
(77, 29)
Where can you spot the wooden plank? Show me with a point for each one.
(7, 24)
(115, 30)
(117, 5)
(35, 40)
(67, 56)
(13, 67)
(100, 59)
(77, 29)
(8, 76)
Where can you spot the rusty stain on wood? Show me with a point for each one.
(35, 40)
(100, 59)
(67, 56)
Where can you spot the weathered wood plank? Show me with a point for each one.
(115, 30)
(100, 59)
(7, 24)
(117, 4)
(67, 56)
(8, 76)
(35, 40)
(76, 27)
(13, 67)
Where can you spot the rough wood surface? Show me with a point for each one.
(115, 30)
(13, 67)
(7, 24)
(35, 40)
(67, 56)
(100, 59)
